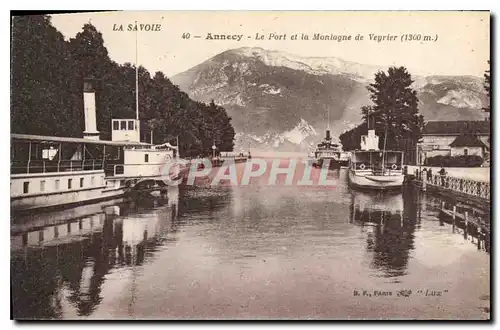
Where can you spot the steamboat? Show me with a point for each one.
(376, 169)
(331, 153)
(51, 171)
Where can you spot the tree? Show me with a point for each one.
(42, 85)
(394, 115)
(89, 52)
(47, 81)
(351, 139)
(487, 88)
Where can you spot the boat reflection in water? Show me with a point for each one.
(58, 269)
(389, 220)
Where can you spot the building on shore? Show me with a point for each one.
(454, 138)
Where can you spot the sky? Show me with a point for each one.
(462, 46)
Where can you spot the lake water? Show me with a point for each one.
(250, 252)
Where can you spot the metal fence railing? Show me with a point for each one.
(470, 187)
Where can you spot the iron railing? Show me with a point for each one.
(470, 187)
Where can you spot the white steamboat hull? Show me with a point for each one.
(65, 199)
(44, 190)
(63, 189)
(376, 182)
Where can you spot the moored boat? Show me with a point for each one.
(372, 168)
(328, 152)
(50, 171)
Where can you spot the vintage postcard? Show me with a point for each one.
(253, 165)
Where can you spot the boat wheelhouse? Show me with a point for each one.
(372, 168)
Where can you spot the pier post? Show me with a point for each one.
(479, 235)
(441, 222)
(466, 224)
(454, 216)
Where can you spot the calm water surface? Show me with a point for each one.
(249, 252)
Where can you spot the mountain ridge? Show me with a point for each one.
(269, 93)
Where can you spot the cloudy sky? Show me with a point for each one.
(462, 46)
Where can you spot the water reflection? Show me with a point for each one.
(60, 266)
(206, 251)
(389, 220)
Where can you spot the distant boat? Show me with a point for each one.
(327, 151)
(372, 168)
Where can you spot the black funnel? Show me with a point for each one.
(328, 137)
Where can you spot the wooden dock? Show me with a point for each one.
(465, 204)
(473, 223)
(218, 161)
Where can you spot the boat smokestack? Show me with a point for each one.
(370, 141)
(328, 136)
(89, 110)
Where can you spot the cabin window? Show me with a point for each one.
(116, 125)
(57, 184)
(113, 153)
(81, 182)
(123, 125)
(130, 125)
(146, 158)
(69, 183)
(42, 185)
(466, 152)
(26, 187)
(49, 153)
(92, 181)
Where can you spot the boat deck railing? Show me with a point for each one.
(230, 157)
(378, 169)
(43, 166)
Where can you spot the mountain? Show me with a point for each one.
(272, 95)
(302, 137)
(452, 98)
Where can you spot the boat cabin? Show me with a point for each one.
(377, 161)
(125, 130)
(371, 159)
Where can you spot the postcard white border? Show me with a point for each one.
(199, 5)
